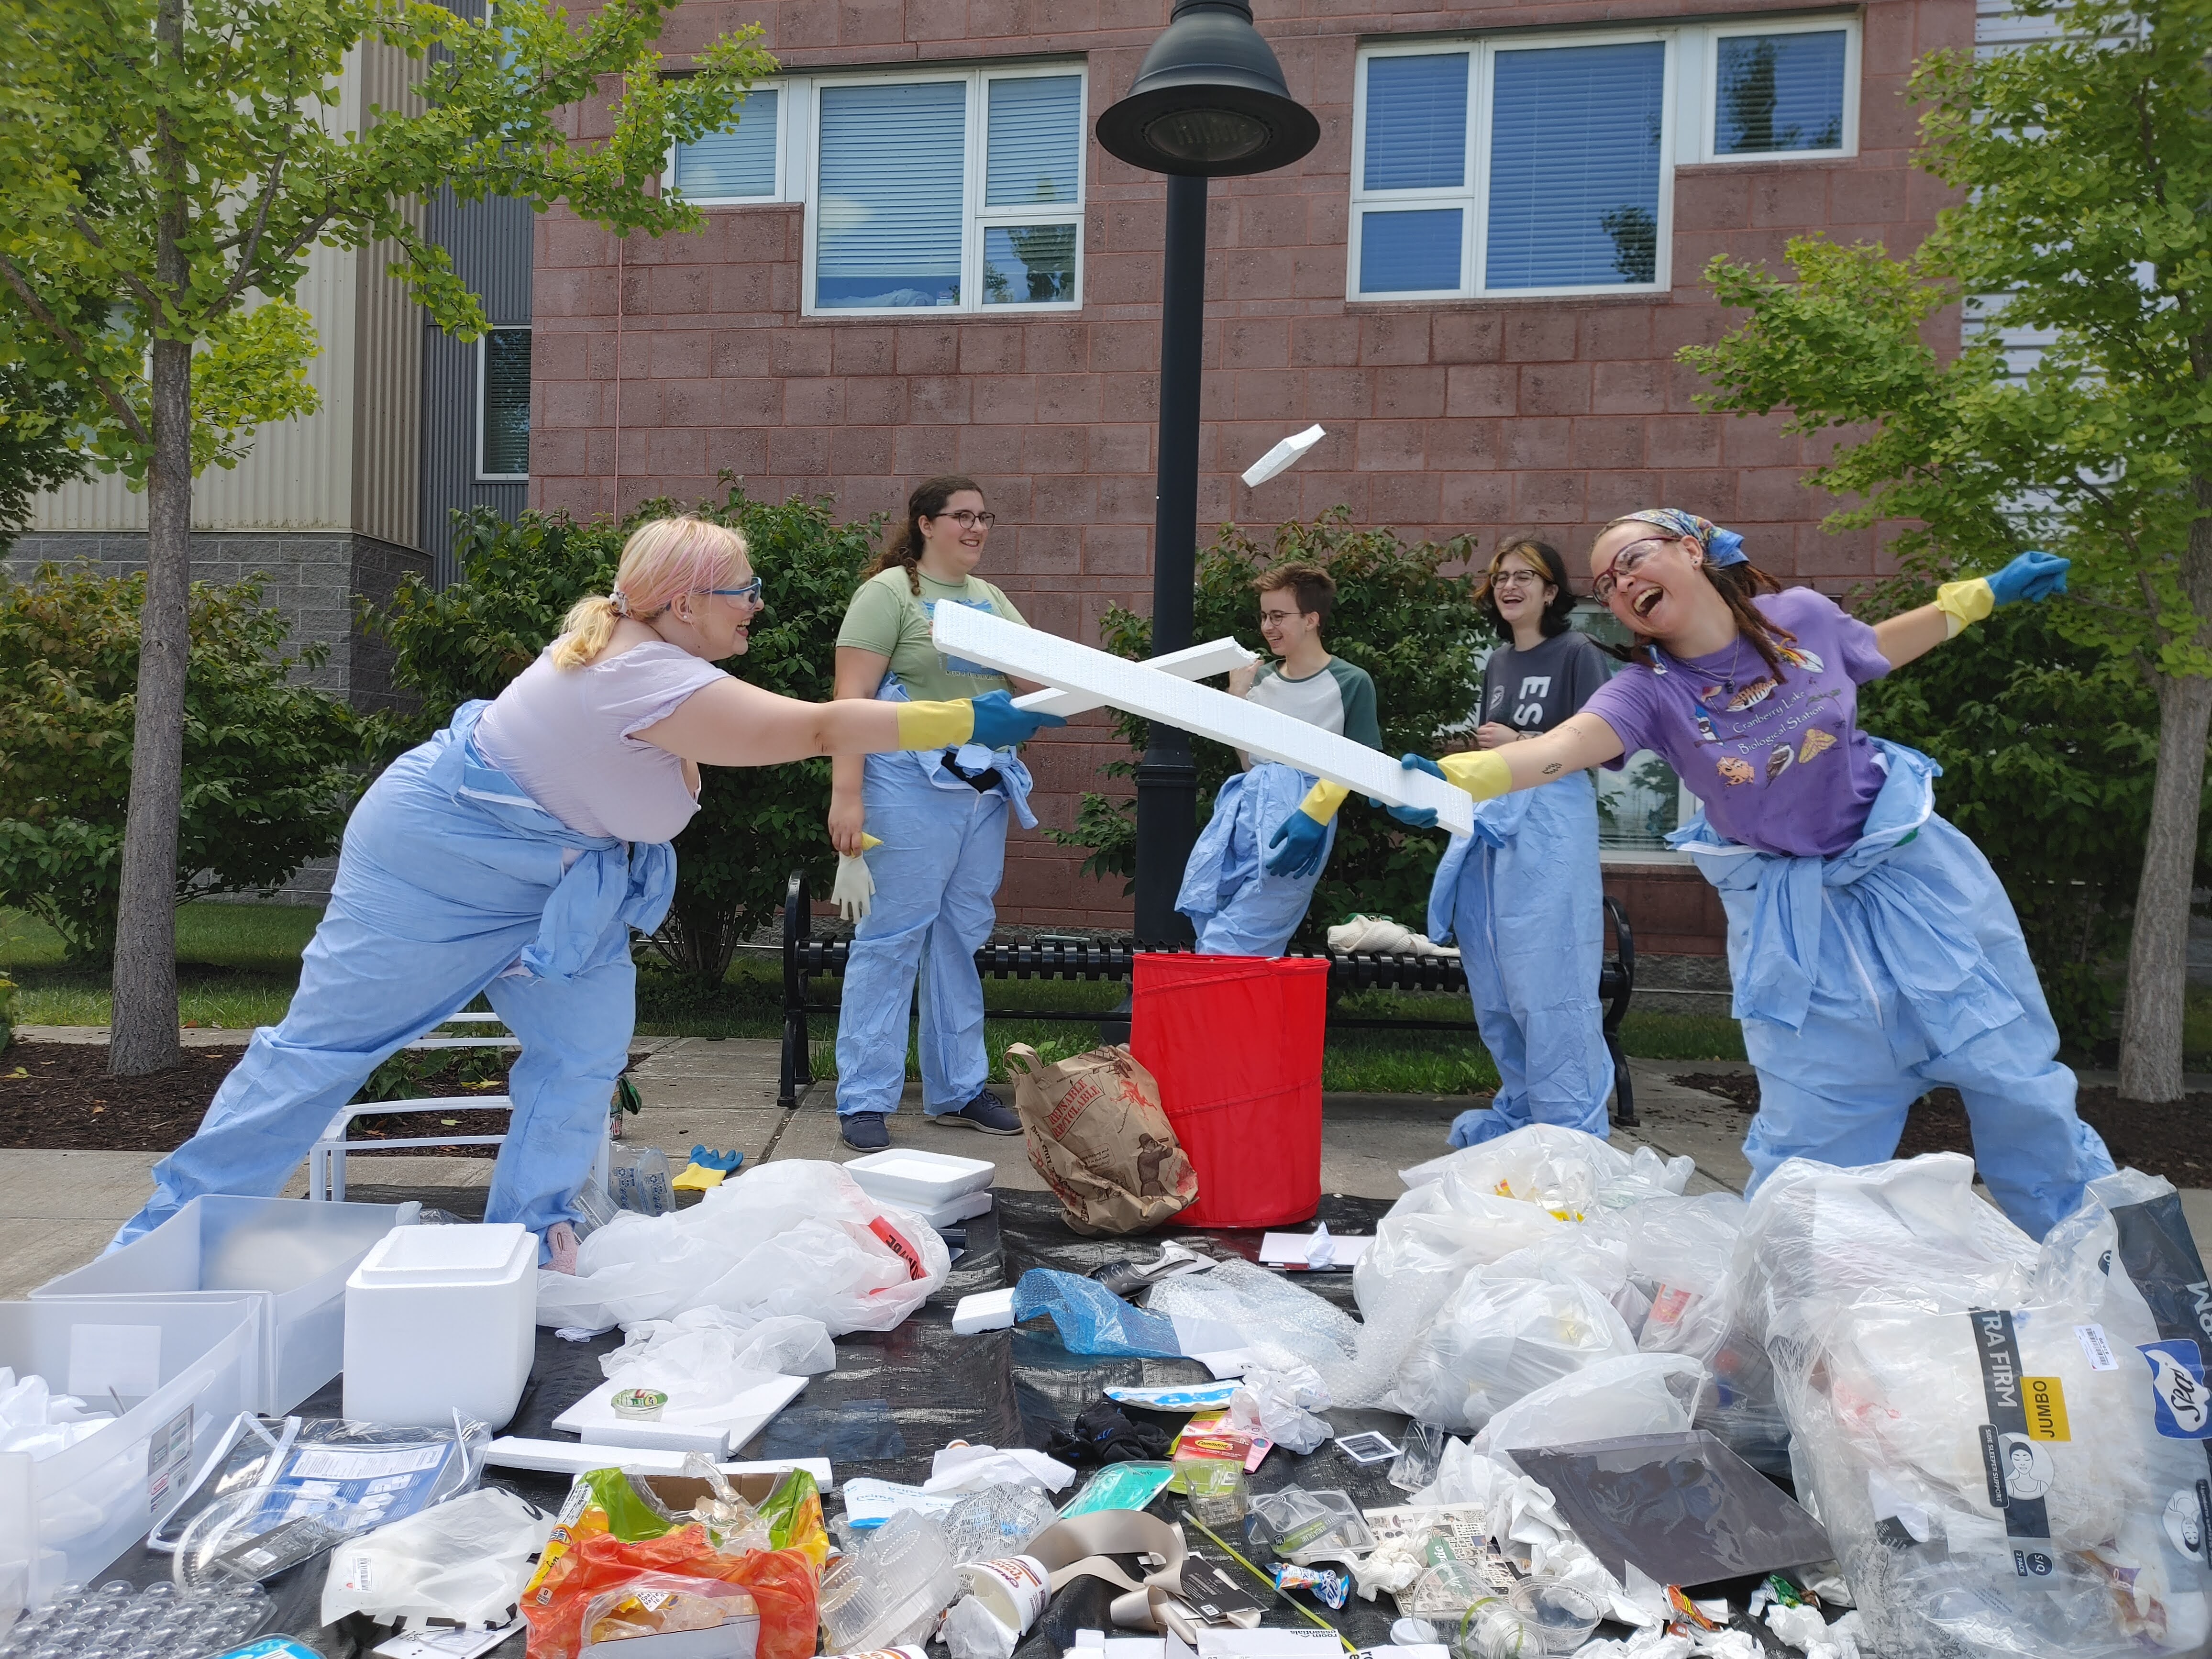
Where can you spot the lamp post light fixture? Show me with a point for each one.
(1209, 101)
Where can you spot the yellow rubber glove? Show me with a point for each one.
(935, 725)
(1322, 800)
(1964, 603)
(1482, 772)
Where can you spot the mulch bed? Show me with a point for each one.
(2173, 1141)
(58, 1096)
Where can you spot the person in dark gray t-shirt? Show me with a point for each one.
(1523, 899)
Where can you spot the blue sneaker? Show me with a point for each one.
(985, 1112)
(865, 1132)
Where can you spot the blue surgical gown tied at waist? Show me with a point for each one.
(1523, 899)
(1238, 909)
(937, 875)
(453, 882)
(1866, 977)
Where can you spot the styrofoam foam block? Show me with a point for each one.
(984, 1310)
(978, 634)
(1193, 662)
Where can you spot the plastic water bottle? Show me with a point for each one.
(656, 1190)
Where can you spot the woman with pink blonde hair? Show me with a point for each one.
(510, 856)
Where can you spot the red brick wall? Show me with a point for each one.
(1470, 415)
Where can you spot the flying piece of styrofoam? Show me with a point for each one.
(1193, 662)
(1282, 456)
(969, 631)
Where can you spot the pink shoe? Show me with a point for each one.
(560, 1245)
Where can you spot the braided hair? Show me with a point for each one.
(905, 546)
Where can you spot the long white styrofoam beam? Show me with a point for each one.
(576, 1457)
(968, 631)
(1193, 662)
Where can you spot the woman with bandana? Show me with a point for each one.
(1874, 954)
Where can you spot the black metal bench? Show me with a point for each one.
(806, 957)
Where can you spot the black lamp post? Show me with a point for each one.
(1209, 102)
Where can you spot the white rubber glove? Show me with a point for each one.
(854, 890)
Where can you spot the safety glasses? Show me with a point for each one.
(750, 592)
(1626, 562)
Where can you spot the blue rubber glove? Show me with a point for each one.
(2030, 576)
(999, 725)
(1295, 848)
(1421, 817)
(1421, 763)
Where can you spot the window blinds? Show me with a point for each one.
(736, 164)
(890, 207)
(1416, 132)
(1036, 140)
(1574, 166)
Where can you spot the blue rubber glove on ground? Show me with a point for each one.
(999, 725)
(2030, 576)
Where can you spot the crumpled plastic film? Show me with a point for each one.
(1420, 1255)
(790, 1237)
(1564, 1170)
(1283, 1326)
(465, 1560)
(701, 1341)
(1924, 1351)
(1497, 1338)
(1090, 1319)
(1635, 1393)
(998, 1522)
(1280, 1405)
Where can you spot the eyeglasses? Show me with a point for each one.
(750, 592)
(1626, 562)
(1278, 615)
(969, 519)
(1519, 579)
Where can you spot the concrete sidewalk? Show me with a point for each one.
(57, 1209)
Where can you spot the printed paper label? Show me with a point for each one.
(2092, 1339)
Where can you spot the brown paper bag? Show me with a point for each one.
(1097, 1134)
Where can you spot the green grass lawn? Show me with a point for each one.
(238, 965)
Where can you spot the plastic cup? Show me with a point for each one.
(1215, 1486)
(1561, 1616)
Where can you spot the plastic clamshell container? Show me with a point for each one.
(440, 1319)
(292, 1255)
(917, 1179)
(64, 1517)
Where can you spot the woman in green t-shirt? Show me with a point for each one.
(932, 826)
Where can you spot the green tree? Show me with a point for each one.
(269, 766)
(2048, 745)
(165, 170)
(1398, 617)
(39, 447)
(518, 581)
(2084, 166)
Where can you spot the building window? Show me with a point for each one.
(1511, 167)
(741, 163)
(1544, 164)
(503, 406)
(1782, 90)
(950, 192)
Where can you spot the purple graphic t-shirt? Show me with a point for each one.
(1780, 767)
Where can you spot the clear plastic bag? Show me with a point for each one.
(1496, 1339)
(1564, 1170)
(466, 1562)
(1283, 1325)
(1972, 1416)
(1632, 1394)
(702, 1343)
(792, 1236)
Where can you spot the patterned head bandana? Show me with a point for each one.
(1722, 547)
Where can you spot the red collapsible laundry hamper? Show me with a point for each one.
(1235, 1043)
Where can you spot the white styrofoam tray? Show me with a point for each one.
(295, 1258)
(952, 1214)
(917, 1179)
(1193, 662)
(981, 636)
(717, 1433)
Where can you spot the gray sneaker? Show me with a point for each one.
(865, 1132)
(985, 1112)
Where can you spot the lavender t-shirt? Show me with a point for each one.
(567, 736)
(1781, 767)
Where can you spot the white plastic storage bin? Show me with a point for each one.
(916, 1180)
(182, 1370)
(293, 1257)
(440, 1319)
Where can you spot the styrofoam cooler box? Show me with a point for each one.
(440, 1319)
(916, 1180)
(293, 1256)
(182, 1370)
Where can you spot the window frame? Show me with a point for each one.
(977, 218)
(788, 92)
(483, 355)
(1474, 196)
(1708, 113)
